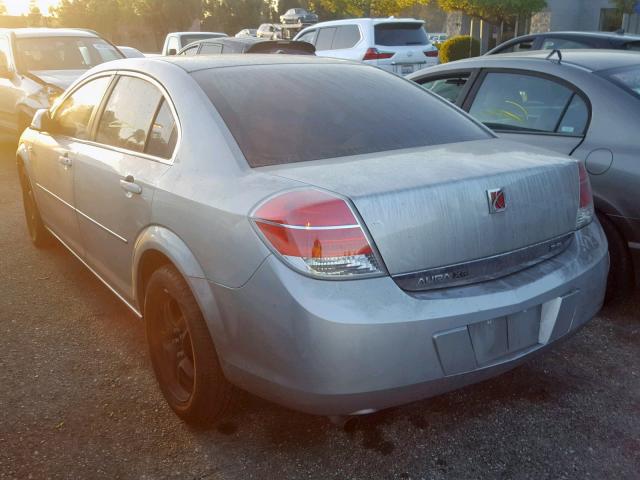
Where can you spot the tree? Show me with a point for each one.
(103, 16)
(167, 15)
(34, 17)
(231, 16)
(625, 6)
(369, 8)
(494, 11)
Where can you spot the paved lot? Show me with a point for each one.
(78, 399)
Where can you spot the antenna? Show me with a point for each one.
(557, 52)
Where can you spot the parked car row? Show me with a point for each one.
(280, 231)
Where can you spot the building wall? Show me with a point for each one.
(581, 15)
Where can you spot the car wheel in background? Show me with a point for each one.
(182, 352)
(621, 279)
(40, 236)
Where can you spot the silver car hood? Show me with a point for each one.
(60, 78)
(427, 208)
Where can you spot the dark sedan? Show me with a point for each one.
(220, 46)
(297, 16)
(569, 41)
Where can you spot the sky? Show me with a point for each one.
(18, 7)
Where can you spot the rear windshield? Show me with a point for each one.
(294, 113)
(398, 34)
(628, 78)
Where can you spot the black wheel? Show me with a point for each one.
(40, 236)
(621, 277)
(182, 352)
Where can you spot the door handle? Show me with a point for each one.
(65, 160)
(128, 185)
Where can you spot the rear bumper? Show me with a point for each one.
(352, 347)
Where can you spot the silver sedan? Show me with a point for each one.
(301, 228)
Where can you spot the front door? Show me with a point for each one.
(117, 174)
(53, 157)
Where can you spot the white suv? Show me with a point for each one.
(399, 45)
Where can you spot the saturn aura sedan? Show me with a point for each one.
(352, 256)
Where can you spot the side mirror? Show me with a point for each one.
(5, 70)
(172, 51)
(42, 121)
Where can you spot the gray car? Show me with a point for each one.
(586, 104)
(337, 260)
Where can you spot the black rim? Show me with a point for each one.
(31, 213)
(174, 351)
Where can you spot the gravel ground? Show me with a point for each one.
(78, 399)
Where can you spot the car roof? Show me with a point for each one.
(49, 32)
(195, 63)
(195, 33)
(593, 60)
(608, 35)
(230, 40)
(364, 21)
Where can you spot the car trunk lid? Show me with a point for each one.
(429, 208)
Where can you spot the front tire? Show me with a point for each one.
(620, 282)
(38, 233)
(184, 358)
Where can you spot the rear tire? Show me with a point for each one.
(38, 233)
(621, 276)
(184, 358)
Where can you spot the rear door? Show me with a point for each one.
(54, 156)
(116, 175)
(530, 107)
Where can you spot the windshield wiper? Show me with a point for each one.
(515, 128)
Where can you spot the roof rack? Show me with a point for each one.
(557, 52)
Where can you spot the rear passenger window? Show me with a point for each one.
(211, 49)
(448, 88)
(562, 43)
(346, 36)
(519, 102)
(74, 114)
(164, 133)
(128, 115)
(325, 38)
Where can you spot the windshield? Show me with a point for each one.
(64, 53)
(294, 113)
(397, 34)
(629, 79)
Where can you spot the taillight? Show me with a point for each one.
(375, 54)
(585, 210)
(317, 233)
(431, 53)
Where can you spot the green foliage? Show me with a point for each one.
(231, 16)
(369, 8)
(494, 10)
(625, 6)
(102, 16)
(459, 47)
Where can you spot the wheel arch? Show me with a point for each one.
(157, 246)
